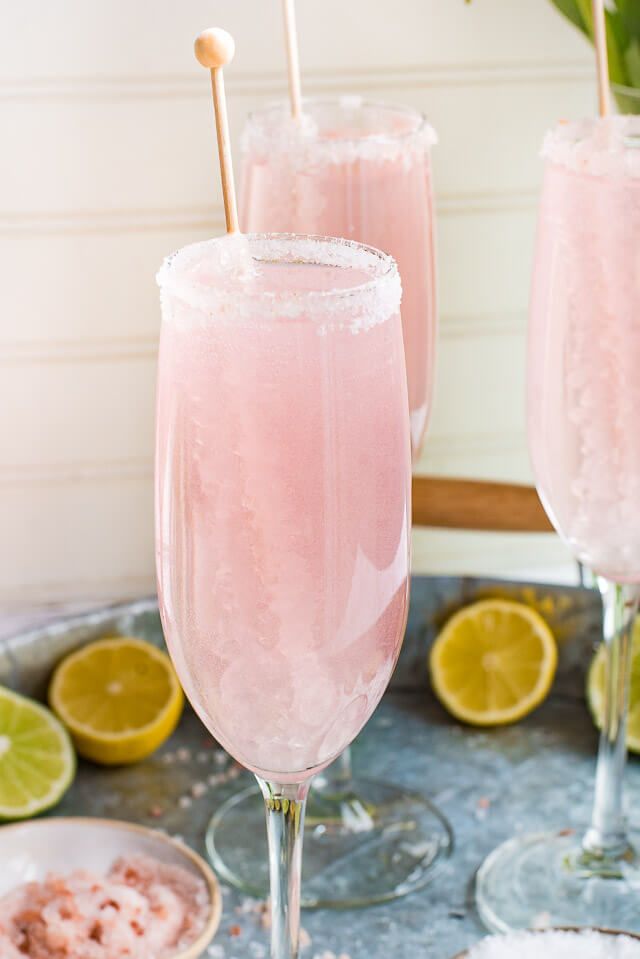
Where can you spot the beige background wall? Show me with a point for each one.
(106, 164)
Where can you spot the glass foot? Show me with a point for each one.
(548, 880)
(370, 842)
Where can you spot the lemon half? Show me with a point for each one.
(119, 698)
(596, 684)
(493, 662)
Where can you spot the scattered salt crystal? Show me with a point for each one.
(202, 757)
(249, 906)
(215, 779)
(198, 790)
(183, 754)
(220, 757)
(184, 802)
(257, 950)
(557, 945)
(215, 951)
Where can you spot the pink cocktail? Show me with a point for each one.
(349, 168)
(584, 346)
(584, 437)
(362, 171)
(283, 576)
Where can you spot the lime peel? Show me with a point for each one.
(37, 759)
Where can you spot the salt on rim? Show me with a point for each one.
(230, 262)
(597, 146)
(273, 130)
(556, 944)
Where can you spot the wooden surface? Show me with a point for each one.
(477, 505)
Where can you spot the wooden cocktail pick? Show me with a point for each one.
(293, 58)
(215, 48)
(602, 61)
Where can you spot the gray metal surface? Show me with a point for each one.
(491, 784)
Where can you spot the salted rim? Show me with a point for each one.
(597, 146)
(371, 301)
(257, 130)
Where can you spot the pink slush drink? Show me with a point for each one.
(283, 492)
(584, 343)
(362, 171)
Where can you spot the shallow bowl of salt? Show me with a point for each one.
(557, 944)
(117, 870)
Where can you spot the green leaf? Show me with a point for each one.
(617, 26)
(615, 53)
(586, 15)
(632, 63)
(629, 17)
(571, 11)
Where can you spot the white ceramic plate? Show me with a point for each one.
(30, 850)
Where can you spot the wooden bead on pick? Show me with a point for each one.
(214, 48)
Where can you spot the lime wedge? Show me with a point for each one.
(37, 761)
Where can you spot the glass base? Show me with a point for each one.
(538, 881)
(370, 842)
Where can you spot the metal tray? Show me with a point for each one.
(489, 784)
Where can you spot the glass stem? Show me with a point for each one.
(285, 808)
(607, 835)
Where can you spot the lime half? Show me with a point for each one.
(596, 683)
(37, 761)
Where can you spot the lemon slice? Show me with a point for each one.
(37, 761)
(119, 698)
(493, 662)
(595, 690)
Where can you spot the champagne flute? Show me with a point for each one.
(361, 170)
(584, 410)
(283, 575)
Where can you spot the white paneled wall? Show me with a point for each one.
(106, 164)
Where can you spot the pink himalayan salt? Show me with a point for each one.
(143, 909)
(556, 945)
